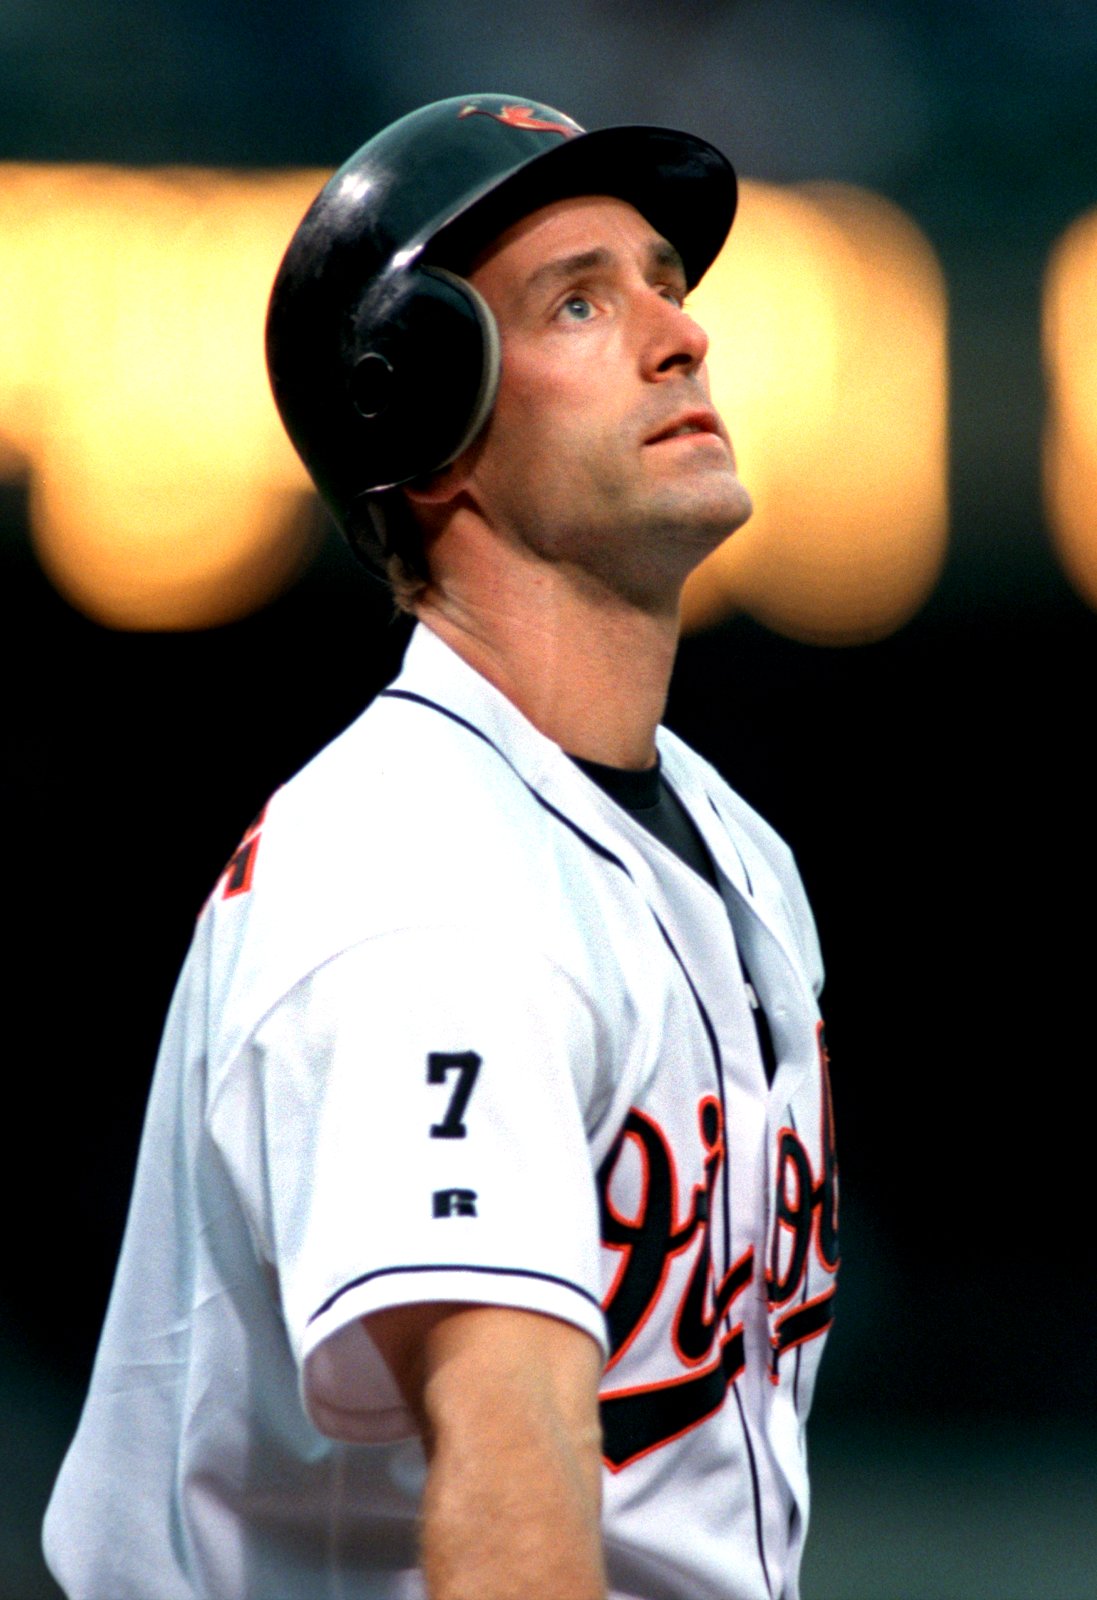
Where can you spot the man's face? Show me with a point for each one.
(603, 449)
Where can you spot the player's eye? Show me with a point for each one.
(576, 308)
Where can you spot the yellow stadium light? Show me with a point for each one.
(826, 313)
(164, 493)
(1070, 439)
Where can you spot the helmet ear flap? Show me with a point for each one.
(422, 371)
(491, 359)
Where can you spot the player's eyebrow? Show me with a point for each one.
(662, 257)
(564, 267)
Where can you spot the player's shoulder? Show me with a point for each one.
(438, 773)
(439, 806)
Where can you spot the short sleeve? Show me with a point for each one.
(409, 1126)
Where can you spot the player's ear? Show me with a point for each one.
(437, 488)
(442, 488)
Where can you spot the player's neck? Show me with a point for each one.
(589, 671)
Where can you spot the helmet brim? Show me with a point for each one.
(684, 186)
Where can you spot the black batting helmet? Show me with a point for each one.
(384, 363)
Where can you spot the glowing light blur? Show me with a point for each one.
(132, 385)
(827, 317)
(164, 493)
(1070, 438)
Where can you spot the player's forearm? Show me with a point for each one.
(517, 1517)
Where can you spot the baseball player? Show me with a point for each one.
(483, 1239)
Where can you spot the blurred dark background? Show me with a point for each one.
(937, 785)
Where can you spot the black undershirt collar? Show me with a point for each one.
(647, 796)
(636, 791)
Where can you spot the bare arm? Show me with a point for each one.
(507, 1403)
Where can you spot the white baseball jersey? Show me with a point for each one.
(454, 1027)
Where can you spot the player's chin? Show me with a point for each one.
(713, 510)
(712, 481)
(744, 507)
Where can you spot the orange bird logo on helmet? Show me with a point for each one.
(520, 117)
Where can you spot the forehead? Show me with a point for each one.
(566, 231)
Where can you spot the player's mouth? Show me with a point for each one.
(686, 425)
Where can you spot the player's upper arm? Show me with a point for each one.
(507, 1402)
(470, 1368)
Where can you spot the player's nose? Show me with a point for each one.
(676, 343)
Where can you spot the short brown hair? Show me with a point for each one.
(385, 534)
